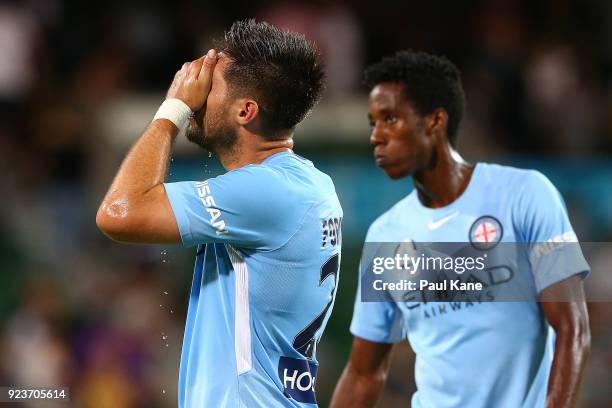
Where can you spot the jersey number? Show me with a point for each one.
(305, 340)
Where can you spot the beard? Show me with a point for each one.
(212, 132)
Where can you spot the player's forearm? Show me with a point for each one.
(140, 175)
(571, 351)
(357, 391)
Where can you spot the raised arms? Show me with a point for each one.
(136, 208)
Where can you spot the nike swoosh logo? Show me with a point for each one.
(433, 225)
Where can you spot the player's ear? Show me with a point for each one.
(248, 112)
(437, 121)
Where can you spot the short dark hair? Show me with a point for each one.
(430, 82)
(277, 68)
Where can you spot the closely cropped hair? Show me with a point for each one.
(277, 68)
(430, 82)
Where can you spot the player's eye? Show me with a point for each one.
(371, 123)
(391, 119)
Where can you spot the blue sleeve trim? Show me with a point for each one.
(553, 279)
(375, 336)
(560, 264)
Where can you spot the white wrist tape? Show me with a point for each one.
(176, 111)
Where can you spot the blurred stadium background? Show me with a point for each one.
(79, 81)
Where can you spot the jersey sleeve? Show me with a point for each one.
(554, 251)
(380, 321)
(246, 207)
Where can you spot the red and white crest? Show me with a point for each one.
(486, 232)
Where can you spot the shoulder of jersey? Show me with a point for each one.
(509, 177)
(389, 217)
(287, 181)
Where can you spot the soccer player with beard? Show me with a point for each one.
(267, 231)
(472, 354)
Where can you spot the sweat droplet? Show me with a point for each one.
(171, 311)
(164, 337)
(167, 345)
(163, 391)
(165, 292)
(209, 154)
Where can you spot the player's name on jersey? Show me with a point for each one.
(424, 284)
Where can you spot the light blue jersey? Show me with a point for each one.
(264, 284)
(477, 354)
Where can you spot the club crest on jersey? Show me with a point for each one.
(486, 232)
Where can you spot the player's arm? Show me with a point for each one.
(570, 320)
(136, 207)
(364, 376)
(558, 275)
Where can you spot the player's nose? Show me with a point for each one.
(376, 136)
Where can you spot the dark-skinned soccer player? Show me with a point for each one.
(470, 354)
